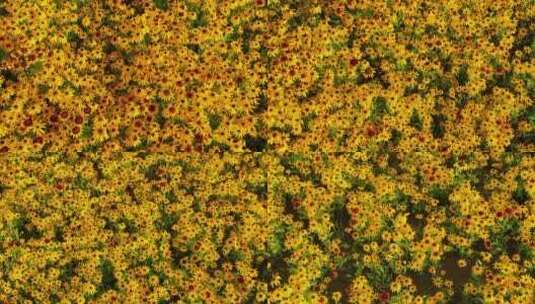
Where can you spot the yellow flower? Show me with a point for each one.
(337, 296)
(86, 21)
(260, 296)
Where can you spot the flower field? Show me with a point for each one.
(267, 151)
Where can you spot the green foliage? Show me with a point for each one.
(295, 21)
(341, 219)
(259, 189)
(108, 279)
(166, 221)
(142, 145)
(380, 108)
(233, 36)
(380, 276)
(43, 88)
(3, 12)
(503, 237)
(361, 12)
(262, 104)
(68, 271)
(531, 119)
(87, 129)
(201, 17)
(520, 194)
(9, 75)
(416, 121)
(23, 230)
(194, 47)
(74, 39)
(335, 20)
(307, 119)
(151, 172)
(161, 4)
(399, 22)
(256, 144)
(80, 182)
(359, 183)
(441, 194)
(3, 54)
(437, 126)
(109, 48)
(214, 120)
(246, 37)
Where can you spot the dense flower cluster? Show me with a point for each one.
(267, 151)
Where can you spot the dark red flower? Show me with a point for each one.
(28, 122)
(371, 131)
(384, 296)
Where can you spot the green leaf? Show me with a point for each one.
(81, 183)
(147, 39)
(531, 119)
(380, 108)
(81, 3)
(295, 21)
(43, 88)
(3, 54)
(108, 281)
(200, 14)
(361, 13)
(9, 75)
(161, 4)
(440, 194)
(262, 104)
(34, 68)
(74, 39)
(68, 271)
(520, 194)
(437, 127)
(214, 120)
(108, 48)
(87, 129)
(233, 36)
(246, 37)
(166, 221)
(307, 120)
(159, 117)
(399, 23)
(416, 121)
(194, 47)
(335, 20)
(171, 197)
(256, 144)
(151, 172)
